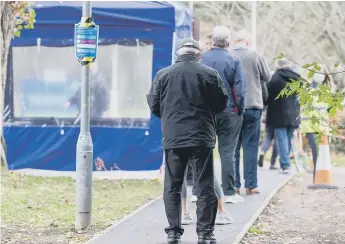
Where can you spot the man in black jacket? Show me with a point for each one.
(283, 114)
(186, 96)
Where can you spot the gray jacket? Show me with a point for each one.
(257, 76)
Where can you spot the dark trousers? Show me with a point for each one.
(228, 129)
(266, 143)
(201, 159)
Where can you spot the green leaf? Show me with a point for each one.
(329, 100)
(19, 21)
(322, 88)
(29, 26)
(280, 56)
(314, 92)
(19, 27)
(306, 66)
(333, 111)
(32, 12)
(281, 94)
(339, 106)
(311, 74)
(17, 33)
(336, 65)
(313, 119)
(322, 98)
(317, 67)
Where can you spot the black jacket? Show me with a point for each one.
(186, 96)
(282, 112)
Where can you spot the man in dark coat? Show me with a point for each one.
(283, 114)
(186, 96)
(229, 122)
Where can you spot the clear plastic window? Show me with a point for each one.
(47, 81)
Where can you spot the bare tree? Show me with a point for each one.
(304, 31)
(15, 15)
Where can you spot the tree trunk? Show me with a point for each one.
(8, 21)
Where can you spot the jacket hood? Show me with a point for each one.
(287, 74)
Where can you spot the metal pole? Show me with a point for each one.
(254, 25)
(84, 147)
(191, 5)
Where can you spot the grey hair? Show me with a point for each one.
(283, 63)
(221, 36)
(188, 50)
(243, 35)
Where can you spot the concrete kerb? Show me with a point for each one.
(322, 187)
(94, 239)
(263, 206)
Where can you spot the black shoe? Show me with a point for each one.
(261, 161)
(207, 239)
(273, 167)
(173, 237)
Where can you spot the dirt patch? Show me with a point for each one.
(41, 210)
(301, 216)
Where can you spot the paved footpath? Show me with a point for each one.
(147, 226)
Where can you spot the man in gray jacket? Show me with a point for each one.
(257, 75)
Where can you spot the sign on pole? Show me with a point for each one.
(86, 41)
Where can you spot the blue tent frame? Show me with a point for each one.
(29, 145)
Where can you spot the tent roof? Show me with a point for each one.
(116, 13)
(56, 20)
(105, 4)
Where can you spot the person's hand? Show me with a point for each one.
(66, 105)
(240, 110)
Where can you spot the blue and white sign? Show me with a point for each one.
(86, 41)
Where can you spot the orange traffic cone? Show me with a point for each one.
(322, 171)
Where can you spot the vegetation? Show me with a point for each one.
(324, 93)
(15, 16)
(36, 209)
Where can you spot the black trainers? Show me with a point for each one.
(261, 161)
(173, 237)
(273, 167)
(207, 238)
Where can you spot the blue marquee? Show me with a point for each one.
(45, 142)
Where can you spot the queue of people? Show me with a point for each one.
(217, 93)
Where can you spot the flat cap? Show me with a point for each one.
(188, 42)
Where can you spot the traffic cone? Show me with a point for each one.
(322, 171)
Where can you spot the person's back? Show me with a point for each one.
(231, 72)
(284, 111)
(229, 122)
(257, 75)
(187, 96)
(187, 106)
(283, 114)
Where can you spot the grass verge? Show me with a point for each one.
(42, 210)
